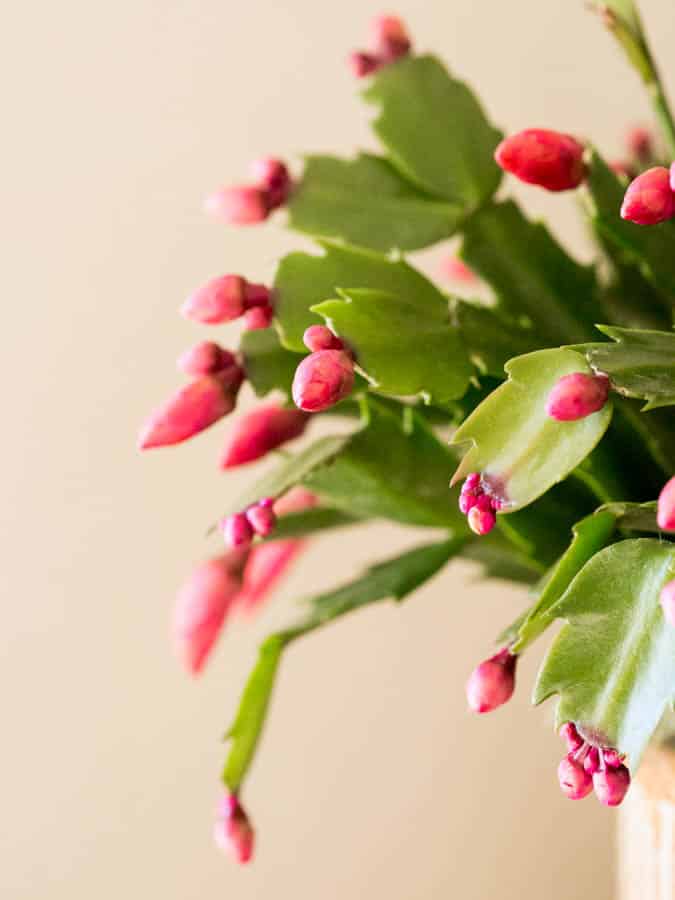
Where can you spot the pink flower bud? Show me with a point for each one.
(322, 379)
(639, 143)
(481, 521)
(667, 600)
(257, 295)
(272, 175)
(239, 205)
(260, 431)
(575, 782)
(492, 682)
(237, 531)
(232, 831)
(318, 337)
(592, 760)
(547, 158)
(672, 176)
(390, 38)
(649, 198)
(363, 64)
(202, 606)
(611, 785)
(262, 519)
(612, 758)
(219, 300)
(576, 396)
(455, 269)
(192, 409)
(665, 512)
(571, 736)
(205, 358)
(258, 317)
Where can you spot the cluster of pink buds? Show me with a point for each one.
(576, 396)
(252, 203)
(492, 683)
(478, 505)
(650, 198)
(233, 831)
(549, 159)
(226, 298)
(390, 41)
(326, 376)
(588, 767)
(240, 528)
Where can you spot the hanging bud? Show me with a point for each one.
(390, 38)
(322, 379)
(272, 175)
(492, 682)
(192, 409)
(649, 198)
(611, 785)
(546, 158)
(219, 300)
(318, 337)
(232, 831)
(612, 758)
(667, 600)
(205, 358)
(571, 736)
(260, 431)
(236, 530)
(576, 396)
(202, 606)
(258, 317)
(575, 782)
(665, 512)
(262, 518)
(481, 520)
(239, 205)
(592, 761)
(363, 64)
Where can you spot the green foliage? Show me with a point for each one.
(613, 663)
(518, 448)
(310, 522)
(435, 131)
(267, 364)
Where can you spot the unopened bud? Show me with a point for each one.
(576, 396)
(575, 782)
(258, 317)
(260, 431)
(592, 760)
(322, 379)
(611, 785)
(233, 831)
(220, 300)
(546, 158)
(667, 600)
(271, 175)
(639, 143)
(205, 358)
(665, 512)
(492, 682)
(481, 520)
(257, 295)
(262, 519)
(571, 736)
(318, 337)
(649, 198)
(363, 64)
(237, 531)
(240, 205)
(390, 38)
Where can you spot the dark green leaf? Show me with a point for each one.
(303, 280)
(311, 521)
(492, 339)
(435, 131)
(405, 346)
(613, 663)
(639, 517)
(365, 201)
(267, 364)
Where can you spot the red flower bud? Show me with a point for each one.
(233, 831)
(271, 175)
(237, 531)
(592, 760)
(665, 512)
(219, 300)
(258, 317)
(205, 358)
(262, 519)
(639, 143)
(576, 396)
(611, 785)
(260, 431)
(492, 682)
(322, 379)
(547, 158)
(575, 782)
(649, 198)
(481, 521)
(239, 205)
(363, 64)
(390, 38)
(192, 409)
(612, 758)
(667, 600)
(318, 337)
(202, 606)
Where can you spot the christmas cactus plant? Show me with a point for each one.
(531, 432)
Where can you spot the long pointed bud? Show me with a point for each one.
(546, 158)
(323, 379)
(261, 431)
(205, 358)
(665, 514)
(221, 299)
(492, 683)
(238, 205)
(192, 409)
(576, 396)
(233, 831)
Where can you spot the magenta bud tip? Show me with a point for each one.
(492, 683)
(481, 521)
(218, 300)
(237, 531)
(571, 736)
(232, 831)
(611, 785)
(261, 519)
(322, 379)
(665, 512)
(576, 396)
(575, 781)
(667, 601)
(318, 337)
(363, 64)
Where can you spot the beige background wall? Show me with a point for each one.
(373, 781)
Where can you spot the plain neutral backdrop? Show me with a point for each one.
(373, 780)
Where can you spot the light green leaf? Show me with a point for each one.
(613, 663)
(365, 201)
(267, 364)
(435, 131)
(405, 346)
(518, 448)
(640, 363)
(395, 579)
(303, 280)
(531, 274)
(637, 517)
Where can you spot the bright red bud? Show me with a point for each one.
(576, 396)
(665, 512)
(481, 516)
(205, 358)
(611, 785)
(667, 600)
(260, 431)
(240, 205)
(649, 198)
(233, 831)
(322, 379)
(219, 300)
(192, 409)
(492, 682)
(546, 158)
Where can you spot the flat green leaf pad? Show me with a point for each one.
(518, 448)
(613, 663)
